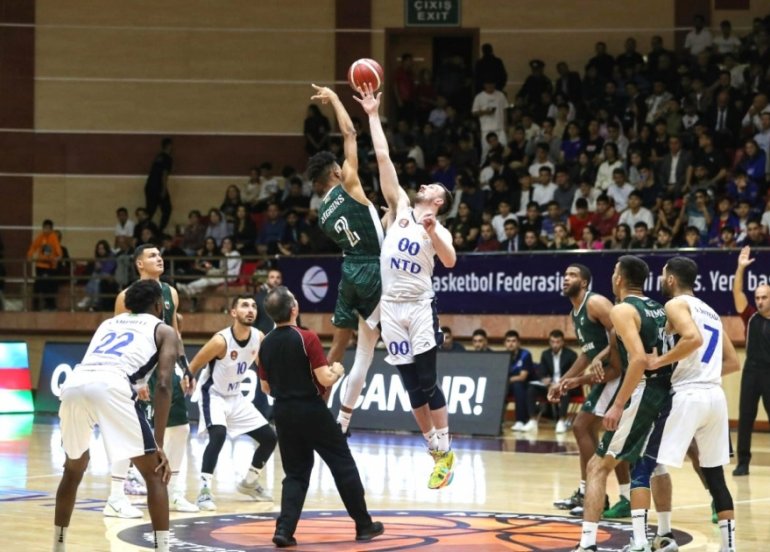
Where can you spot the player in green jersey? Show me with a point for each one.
(591, 318)
(348, 218)
(640, 325)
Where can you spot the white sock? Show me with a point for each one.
(430, 438)
(59, 538)
(625, 491)
(664, 523)
(172, 484)
(442, 438)
(206, 480)
(727, 528)
(161, 541)
(252, 476)
(639, 523)
(588, 536)
(582, 487)
(343, 418)
(116, 487)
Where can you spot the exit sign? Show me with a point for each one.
(432, 13)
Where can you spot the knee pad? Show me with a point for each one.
(417, 397)
(641, 472)
(715, 479)
(217, 435)
(660, 469)
(436, 398)
(425, 366)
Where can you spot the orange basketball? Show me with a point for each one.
(363, 71)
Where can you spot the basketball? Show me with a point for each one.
(364, 71)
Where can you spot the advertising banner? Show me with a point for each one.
(474, 384)
(525, 283)
(60, 358)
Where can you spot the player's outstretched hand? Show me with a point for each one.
(338, 369)
(163, 467)
(323, 93)
(612, 417)
(368, 100)
(143, 393)
(597, 371)
(554, 393)
(188, 385)
(429, 222)
(743, 257)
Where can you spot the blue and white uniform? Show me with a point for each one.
(407, 309)
(221, 401)
(699, 406)
(99, 392)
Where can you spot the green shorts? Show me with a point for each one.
(177, 414)
(358, 293)
(630, 439)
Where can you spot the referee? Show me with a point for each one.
(755, 382)
(294, 370)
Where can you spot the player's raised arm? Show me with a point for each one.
(350, 146)
(441, 239)
(394, 195)
(215, 348)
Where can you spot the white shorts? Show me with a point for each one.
(699, 413)
(104, 398)
(606, 397)
(408, 329)
(235, 412)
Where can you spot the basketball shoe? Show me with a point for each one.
(442, 470)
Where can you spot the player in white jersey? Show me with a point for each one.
(124, 349)
(703, 354)
(408, 317)
(224, 410)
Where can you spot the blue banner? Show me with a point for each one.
(527, 283)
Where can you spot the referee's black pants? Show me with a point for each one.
(755, 384)
(305, 426)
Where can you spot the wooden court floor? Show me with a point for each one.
(515, 474)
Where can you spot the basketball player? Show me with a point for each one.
(703, 354)
(640, 325)
(223, 407)
(348, 218)
(122, 351)
(591, 318)
(409, 321)
(149, 265)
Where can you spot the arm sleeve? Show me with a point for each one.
(314, 349)
(746, 314)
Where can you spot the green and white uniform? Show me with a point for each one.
(593, 339)
(177, 415)
(357, 230)
(652, 394)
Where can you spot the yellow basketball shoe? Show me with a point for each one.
(443, 469)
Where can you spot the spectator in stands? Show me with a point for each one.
(642, 238)
(724, 216)
(489, 68)
(194, 233)
(572, 144)
(271, 231)
(290, 241)
(591, 239)
(743, 214)
(520, 369)
(724, 120)
(479, 341)
(45, 251)
(741, 187)
(156, 191)
(404, 88)
(615, 136)
(295, 200)
(619, 189)
(101, 270)
(552, 218)
(147, 236)
(465, 223)
(698, 213)
(532, 241)
(568, 83)
(587, 192)
(656, 51)
(503, 215)
(642, 178)
(727, 238)
(511, 243)
(620, 239)
(754, 236)
(692, 238)
(270, 185)
(125, 270)
(602, 61)
(765, 220)
(562, 240)
(635, 212)
(713, 159)
(124, 226)
(263, 322)
(754, 162)
(564, 193)
(752, 121)
(143, 221)
(316, 129)
(675, 168)
(252, 189)
(449, 345)
(699, 38)
(535, 84)
(216, 276)
(762, 138)
(554, 362)
(230, 203)
(541, 159)
(532, 220)
(544, 187)
(605, 218)
(670, 217)
(244, 232)
(580, 219)
(489, 107)
(664, 238)
(657, 101)
(487, 240)
(176, 260)
(217, 227)
(445, 172)
(425, 95)
(522, 199)
(726, 42)
(606, 168)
